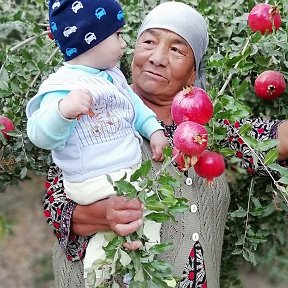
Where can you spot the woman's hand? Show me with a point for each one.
(119, 214)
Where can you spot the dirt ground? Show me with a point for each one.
(25, 253)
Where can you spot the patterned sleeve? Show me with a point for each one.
(58, 210)
(261, 130)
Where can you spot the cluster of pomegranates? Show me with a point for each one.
(266, 18)
(191, 109)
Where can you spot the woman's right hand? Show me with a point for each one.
(117, 213)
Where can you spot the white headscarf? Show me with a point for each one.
(187, 23)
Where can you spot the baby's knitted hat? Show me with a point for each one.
(77, 26)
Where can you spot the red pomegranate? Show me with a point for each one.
(210, 164)
(190, 138)
(263, 18)
(269, 85)
(183, 161)
(192, 104)
(50, 35)
(8, 126)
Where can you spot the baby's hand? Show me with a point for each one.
(77, 102)
(157, 142)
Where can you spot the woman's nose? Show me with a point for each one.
(159, 56)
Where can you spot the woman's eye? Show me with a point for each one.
(178, 51)
(148, 41)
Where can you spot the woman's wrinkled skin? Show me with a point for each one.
(163, 64)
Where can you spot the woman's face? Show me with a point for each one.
(163, 64)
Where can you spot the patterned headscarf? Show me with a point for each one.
(187, 23)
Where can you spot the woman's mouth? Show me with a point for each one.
(155, 75)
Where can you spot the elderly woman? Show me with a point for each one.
(168, 55)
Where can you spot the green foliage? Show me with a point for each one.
(21, 68)
(257, 220)
(157, 194)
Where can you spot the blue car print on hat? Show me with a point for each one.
(70, 51)
(100, 12)
(53, 26)
(120, 15)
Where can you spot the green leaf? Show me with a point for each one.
(245, 129)
(283, 180)
(240, 213)
(169, 201)
(276, 167)
(139, 275)
(91, 278)
(23, 173)
(15, 133)
(109, 179)
(167, 179)
(167, 151)
(226, 152)
(271, 156)
(237, 251)
(125, 188)
(142, 171)
(250, 140)
(152, 203)
(166, 190)
(125, 259)
(4, 78)
(158, 217)
(160, 248)
(266, 145)
(249, 256)
(180, 207)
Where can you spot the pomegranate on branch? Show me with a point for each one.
(190, 138)
(269, 85)
(264, 18)
(192, 104)
(210, 165)
(8, 126)
(183, 161)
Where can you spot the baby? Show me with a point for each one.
(86, 112)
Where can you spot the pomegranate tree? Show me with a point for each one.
(190, 138)
(192, 104)
(210, 165)
(264, 18)
(8, 126)
(269, 85)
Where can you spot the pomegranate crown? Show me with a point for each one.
(187, 89)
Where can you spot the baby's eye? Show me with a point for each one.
(119, 33)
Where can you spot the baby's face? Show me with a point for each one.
(106, 54)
